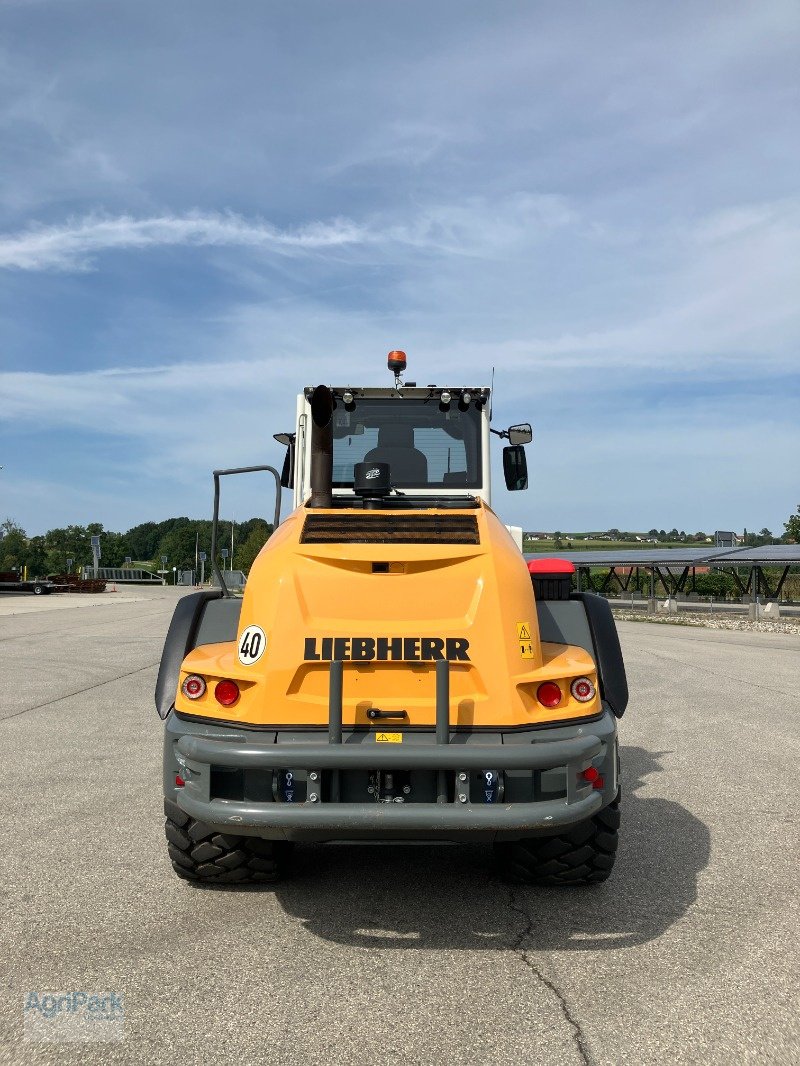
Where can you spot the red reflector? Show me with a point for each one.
(548, 694)
(550, 566)
(591, 774)
(226, 693)
(179, 781)
(582, 689)
(194, 686)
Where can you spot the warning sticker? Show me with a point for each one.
(526, 649)
(388, 738)
(523, 631)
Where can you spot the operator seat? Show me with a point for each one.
(396, 447)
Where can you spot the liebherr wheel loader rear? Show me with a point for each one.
(390, 672)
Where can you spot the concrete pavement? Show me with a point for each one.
(392, 954)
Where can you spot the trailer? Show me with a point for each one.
(10, 582)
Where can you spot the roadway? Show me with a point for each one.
(403, 954)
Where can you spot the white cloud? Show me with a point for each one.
(599, 207)
(150, 438)
(471, 227)
(71, 246)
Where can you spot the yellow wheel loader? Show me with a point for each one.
(394, 670)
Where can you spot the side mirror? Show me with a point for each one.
(287, 473)
(515, 467)
(521, 434)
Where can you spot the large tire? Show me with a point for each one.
(583, 855)
(202, 854)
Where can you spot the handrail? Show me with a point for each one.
(215, 522)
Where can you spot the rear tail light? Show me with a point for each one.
(548, 694)
(582, 689)
(594, 777)
(226, 693)
(193, 687)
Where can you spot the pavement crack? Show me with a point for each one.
(716, 673)
(517, 947)
(77, 692)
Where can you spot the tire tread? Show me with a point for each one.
(201, 854)
(581, 855)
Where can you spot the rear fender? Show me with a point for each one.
(201, 618)
(586, 621)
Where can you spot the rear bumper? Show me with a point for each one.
(331, 780)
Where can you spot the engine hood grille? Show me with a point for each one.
(368, 528)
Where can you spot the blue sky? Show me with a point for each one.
(204, 207)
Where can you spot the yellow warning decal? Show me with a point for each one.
(523, 631)
(388, 738)
(526, 649)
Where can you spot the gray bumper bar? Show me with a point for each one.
(321, 813)
(343, 818)
(371, 756)
(199, 754)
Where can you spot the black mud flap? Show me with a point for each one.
(200, 618)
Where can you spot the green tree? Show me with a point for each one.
(715, 584)
(178, 545)
(13, 545)
(792, 526)
(35, 559)
(143, 541)
(71, 542)
(246, 553)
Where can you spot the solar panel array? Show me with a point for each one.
(768, 555)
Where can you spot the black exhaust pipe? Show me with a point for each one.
(321, 447)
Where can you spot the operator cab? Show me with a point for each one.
(434, 440)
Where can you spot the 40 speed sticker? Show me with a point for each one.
(252, 645)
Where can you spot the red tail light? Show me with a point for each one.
(179, 781)
(592, 775)
(226, 693)
(548, 694)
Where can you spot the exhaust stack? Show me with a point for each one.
(321, 447)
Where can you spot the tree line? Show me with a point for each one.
(177, 539)
(675, 536)
(145, 544)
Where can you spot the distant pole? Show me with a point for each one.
(96, 553)
(196, 548)
(233, 523)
